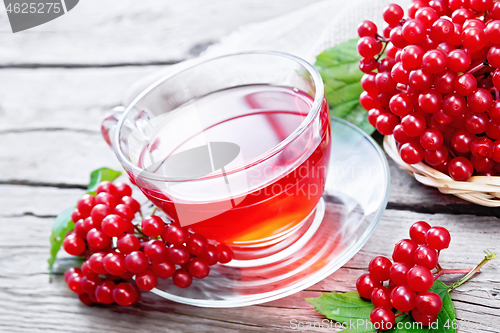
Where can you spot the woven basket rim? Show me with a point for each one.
(481, 190)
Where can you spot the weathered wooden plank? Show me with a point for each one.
(28, 299)
(107, 32)
(63, 98)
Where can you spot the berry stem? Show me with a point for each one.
(154, 210)
(479, 67)
(140, 213)
(383, 50)
(489, 256)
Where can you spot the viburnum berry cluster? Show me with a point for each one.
(409, 278)
(123, 258)
(432, 80)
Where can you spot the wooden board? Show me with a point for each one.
(29, 303)
(107, 32)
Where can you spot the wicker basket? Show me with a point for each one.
(481, 190)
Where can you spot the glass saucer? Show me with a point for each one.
(354, 200)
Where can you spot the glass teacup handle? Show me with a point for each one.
(136, 121)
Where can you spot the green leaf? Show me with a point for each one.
(101, 175)
(354, 313)
(63, 223)
(347, 308)
(339, 69)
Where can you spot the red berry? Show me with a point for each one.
(386, 123)
(114, 264)
(146, 280)
(403, 298)
(99, 212)
(163, 269)
(381, 297)
(393, 14)
(400, 135)
(454, 105)
(418, 232)
(480, 100)
(458, 60)
(443, 82)
(76, 215)
(383, 319)
(124, 211)
(178, 255)
(104, 292)
(97, 239)
(462, 140)
(460, 169)
(182, 278)
(476, 123)
(113, 225)
(96, 263)
(431, 139)
(106, 199)
(438, 238)
(74, 245)
(175, 234)
(123, 190)
(420, 278)
(473, 38)
(434, 61)
(429, 303)
(365, 285)
(465, 84)
(420, 80)
(89, 283)
(373, 115)
(441, 30)
(136, 262)
(425, 320)
(398, 272)
(71, 271)
(379, 268)
(414, 31)
(401, 104)
(426, 256)
(368, 46)
(75, 283)
(427, 15)
(436, 157)
(198, 268)
(108, 187)
(196, 244)
(384, 82)
(411, 152)
(210, 255)
(224, 253)
(128, 243)
(125, 294)
(156, 250)
(482, 147)
(131, 202)
(367, 28)
(411, 57)
(85, 205)
(404, 251)
(153, 226)
(85, 299)
(430, 101)
(481, 5)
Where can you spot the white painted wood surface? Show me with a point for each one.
(50, 141)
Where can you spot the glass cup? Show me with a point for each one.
(236, 148)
